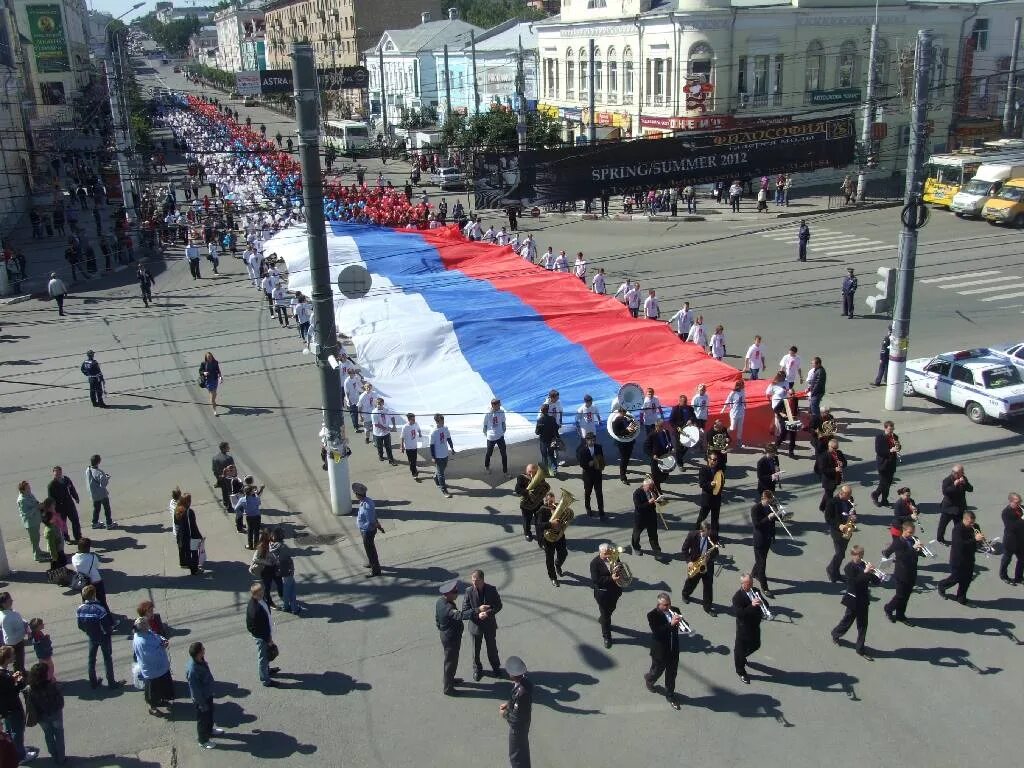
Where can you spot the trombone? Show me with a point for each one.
(781, 513)
(682, 628)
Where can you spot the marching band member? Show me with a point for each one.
(607, 590)
(718, 428)
(955, 487)
(681, 415)
(905, 551)
(619, 426)
(819, 437)
(664, 622)
(697, 334)
(768, 470)
(579, 267)
(1013, 539)
(747, 606)
(839, 510)
(652, 310)
(736, 403)
(962, 550)
(857, 597)
(590, 456)
(753, 360)
(588, 418)
(711, 497)
(555, 552)
(650, 412)
(698, 544)
(599, 283)
(700, 406)
(494, 431)
(658, 445)
(830, 465)
(411, 435)
(763, 518)
(887, 448)
(683, 320)
(645, 516)
(903, 510)
(531, 502)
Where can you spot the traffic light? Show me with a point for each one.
(883, 302)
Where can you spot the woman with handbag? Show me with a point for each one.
(54, 546)
(44, 705)
(150, 650)
(210, 378)
(189, 537)
(86, 566)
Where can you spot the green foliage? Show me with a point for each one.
(172, 37)
(218, 77)
(495, 130)
(490, 13)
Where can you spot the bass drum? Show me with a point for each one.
(689, 436)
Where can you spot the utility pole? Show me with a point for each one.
(869, 108)
(914, 216)
(476, 86)
(521, 95)
(115, 86)
(1009, 109)
(327, 354)
(447, 87)
(383, 93)
(592, 132)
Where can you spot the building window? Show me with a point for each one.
(698, 63)
(592, 4)
(760, 83)
(584, 66)
(981, 34)
(613, 77)
(815, 66)
(777, 78)
(939, 71)
(570, 75)
(598, 75)
(741, 76)
(846, 71)
(627, 76)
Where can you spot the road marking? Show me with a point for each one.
(961, 276)
(992, 289)
(1004, 296)
(836, 252)
(860, 242)
(969, 283)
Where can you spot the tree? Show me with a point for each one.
(490, 13)
(172, 37)
(495, 131)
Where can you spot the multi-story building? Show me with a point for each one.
(202, 46)
(410, 64)
(166, 12)
(664, 66)
(16, 173)
(231, 33)
(254, 45)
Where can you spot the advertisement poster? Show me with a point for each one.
(46, 26)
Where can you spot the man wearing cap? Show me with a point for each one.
(494, 431)
(58, 291)
(483, 626)
(91, 371)
(449, 623)
(366, 519)
(518, 711)
(590, 456)
(849, 289)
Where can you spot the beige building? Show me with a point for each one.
(337, 29)
(231, 25)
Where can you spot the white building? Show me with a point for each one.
(231, 34)
(202, 46)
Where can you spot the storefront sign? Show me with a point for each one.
(46, 26)
(572, 114)
(836, 96)
(711, 122)
(280, 80)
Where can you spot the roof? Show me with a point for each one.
(506, 36)
(429, 36)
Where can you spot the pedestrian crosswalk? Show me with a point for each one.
(988, 285)
(827, 242)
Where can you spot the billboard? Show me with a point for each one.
(247, 83)
(46, 28)
(280, 80)
(575, 173)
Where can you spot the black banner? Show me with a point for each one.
(280, 80)
(582, 172)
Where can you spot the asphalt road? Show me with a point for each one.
(361, 669)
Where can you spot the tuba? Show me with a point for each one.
(560, 517)
(719, 442)
(700, 565)
(534, 494)
(621, 572)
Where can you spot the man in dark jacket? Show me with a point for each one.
(1013, 539)
(590, 456)
(645, 516)
(962, 549)
(905, 551)
(63, 492)
(518, 712)
(260, 626)
(606, 590)
(98, 625)
(200, 686)
(887, 447)
(696, 545)
(664, 622)
(955, 487)
(11, 709)
(747, 607)
(449, 623)
(482, 624)
(220, 462)
(857, 597)
(547, 430)
(763, 518)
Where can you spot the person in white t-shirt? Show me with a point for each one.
(699, 402)
(579, 267)
(441, 447)
(588, 418)
(698, 335)
(353, 388)
(620, 294)
(365, 405)
(716, 344)
(411, 436)
(753, 361)
(383, 426)
(652, 310)
(790, 365)
(736, 404)
(528, 250)
(633, 299)
(494, 430)
(561, 262)
(599, 285)
(548, 259)
(650, 412)
(683, 320)
(303, 312)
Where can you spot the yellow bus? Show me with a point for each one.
(946, 174)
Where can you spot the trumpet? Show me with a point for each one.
(766, 609)
(621, 573)
(781, 514)
(899, 448)
(987, 546)
(921, 547)
(882, 575)
(682, 627)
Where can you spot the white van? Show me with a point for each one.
(345, 135)
(986, 183)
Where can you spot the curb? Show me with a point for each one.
(16, 299)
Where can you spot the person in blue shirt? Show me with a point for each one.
(154, 664)
(366, 519)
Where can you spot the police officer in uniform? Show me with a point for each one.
(517, 711)
(449, 622)
(91, 371)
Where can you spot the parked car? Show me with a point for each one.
(985, 384)
(177, 69)
(448, 178)
(249, 102)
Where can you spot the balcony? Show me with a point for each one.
(758, 100)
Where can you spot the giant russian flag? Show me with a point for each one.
(449, 323)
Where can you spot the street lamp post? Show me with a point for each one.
(119, 116)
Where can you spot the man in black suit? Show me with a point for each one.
(763, 519)
(747, 606)
(962, 549)
(829, 466)
(838, 511)
(710, 501)
(768, 470)
(695, 544)
(887, 447)
(664, 621)
(482, 624)
(590, 456)
(555, 552)
(606, 590)
(955, 487)
(905, 551)
(857, 597)
(63, 492)
(448, 619)
(645, 516)
(620, 425)
(1013, 539)
(657, 445)
(904, 510)
(531, 502)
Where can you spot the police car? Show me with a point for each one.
(981, 381)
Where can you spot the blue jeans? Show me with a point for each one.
(263, 659)
(441, 465)
(814, 405)
(53, 732)
(14, 724)
(288, 585)
(108, 660)
(755, 374)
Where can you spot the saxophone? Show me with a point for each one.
(846, 529)
(700, 565)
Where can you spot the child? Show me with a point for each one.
(42, 645)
